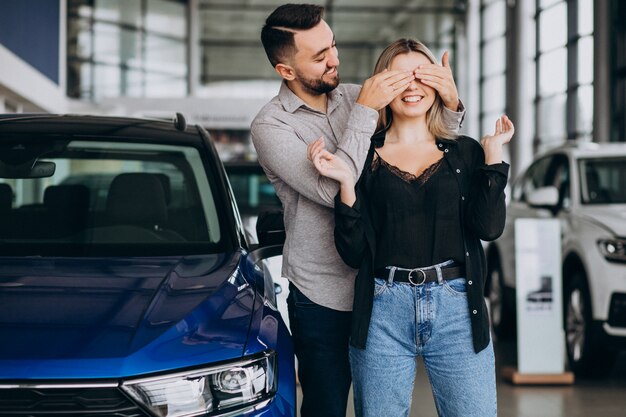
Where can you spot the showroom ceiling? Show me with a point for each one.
(362, 28)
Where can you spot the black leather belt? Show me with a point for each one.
(419, 276)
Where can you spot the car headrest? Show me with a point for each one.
(6, 197)
(73, 198)
(137, 199)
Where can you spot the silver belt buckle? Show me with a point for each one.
(411, 277)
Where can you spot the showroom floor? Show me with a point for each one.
(586, 398)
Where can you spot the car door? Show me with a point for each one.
(550, 170)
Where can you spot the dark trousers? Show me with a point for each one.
(321, 336)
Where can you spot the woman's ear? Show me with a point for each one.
(285, 71)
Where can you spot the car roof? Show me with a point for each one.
(585, 149)
(97, 126)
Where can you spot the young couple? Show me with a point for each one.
(384, 206)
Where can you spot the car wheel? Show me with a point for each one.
(585, 352)
(502, 314)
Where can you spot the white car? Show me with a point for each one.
(584, 186)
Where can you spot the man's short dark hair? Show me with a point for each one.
(277, 33)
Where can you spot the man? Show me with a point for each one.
(313, 108)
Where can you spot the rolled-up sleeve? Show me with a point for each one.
(283, 154)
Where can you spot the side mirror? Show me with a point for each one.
(544, 197)
(270, 228)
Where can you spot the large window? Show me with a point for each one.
(564, 60)
(362, 30)
(493, 68)
(134, 48)
(618, 105)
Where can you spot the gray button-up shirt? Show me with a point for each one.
(281, 133)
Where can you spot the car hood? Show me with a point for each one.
(611, 217)
(112, 318)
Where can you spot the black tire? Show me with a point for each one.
(586, 353)
(501, 311)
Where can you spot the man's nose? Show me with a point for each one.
(333, 59)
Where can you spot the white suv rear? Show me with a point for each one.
(584, 186)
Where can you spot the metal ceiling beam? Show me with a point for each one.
(256, 43)
(457, 8)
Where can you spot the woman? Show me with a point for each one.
(413, 225)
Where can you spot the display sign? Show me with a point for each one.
(540, 334)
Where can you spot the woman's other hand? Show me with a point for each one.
(492, 144)
(331, 166)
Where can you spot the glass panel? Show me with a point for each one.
(585, 17)
(106, 81)
(79, 38)
(132, 83)
(159, 85)
(551, 118)
(166, 55)
(494, 94)
(603, 181)
(130, 48)
(585, 60)
(79, 79)
(618, 131)
(82, 8)
(546, 3)
(494, 20)
(119, 11)
(238, 66)
(553, 27)
(114, 45)
(215, 23)
(553, 72)
(584, 107)
(107, 43)
(488, 122)
(166, 17)
(619, 40)
(494, 57)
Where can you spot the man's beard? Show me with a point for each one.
(319, 86)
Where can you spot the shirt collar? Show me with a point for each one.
(379, 139)
(446, 142)
(291, 102)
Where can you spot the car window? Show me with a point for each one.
(113, 197)
(558, 176)
(535, 177)
(602, 180)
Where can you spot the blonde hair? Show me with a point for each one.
(434, 116)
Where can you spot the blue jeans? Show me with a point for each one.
(432, 321)
(321, 336)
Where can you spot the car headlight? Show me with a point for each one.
(209, 391)
(613, 249)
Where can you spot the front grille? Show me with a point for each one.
(617, 311)
(74, 402)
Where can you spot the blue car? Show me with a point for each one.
(127, 286)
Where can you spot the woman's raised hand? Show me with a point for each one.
(492, 144)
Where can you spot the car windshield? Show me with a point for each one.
(603, 180)
(106, 198)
